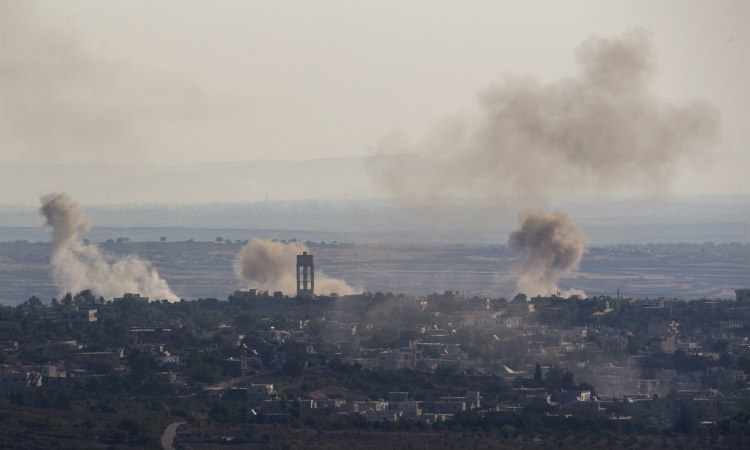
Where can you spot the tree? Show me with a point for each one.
(686, 423)
(85, 297)
(558, 379)
(293, 368)
(33, 303)
(538, 373)
(141, 365)
(204, 367)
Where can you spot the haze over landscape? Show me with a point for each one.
(168, 95)
(337, 224)
(204, 120)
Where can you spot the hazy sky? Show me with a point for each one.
(146, 83)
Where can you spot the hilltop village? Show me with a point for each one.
(245, 369)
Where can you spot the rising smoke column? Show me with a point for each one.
(554, 246)
(271, 265)
(602, 130)
(78, 266)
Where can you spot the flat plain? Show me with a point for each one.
(196, 269)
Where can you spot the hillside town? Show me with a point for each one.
(382, 360)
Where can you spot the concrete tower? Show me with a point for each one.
(305, 265)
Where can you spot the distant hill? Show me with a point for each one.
(333, 196)
(248, 181)
(692, 220)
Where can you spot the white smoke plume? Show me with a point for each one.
(78, 265)
(602, 130)
(271, 265)
(554, 244)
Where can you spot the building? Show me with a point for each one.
(658, 329)
(19, 380)
(257, 393)
(305, 275)
(77, 316)
(510, 322)
(132, 297)
(403, 358)
(112, 359)
(165, 358)
(613, 342)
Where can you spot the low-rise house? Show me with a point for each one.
(143, 336)
(165, 377)
(444, 407)
(666, 344)
(256, 393)
(575, 332)
(491, 321)
(8, 346)
(527, 395)
(167, 358)
(52, 371)
(381, 416)
(302, 351)
(431, 418)
(276, 336)
(403, 358)
(656, 329)
(510, 322)
(335, 403)
(77, 316)
(20, 379)
(111, 359)
(613, 342)
(56, 349)
(377, 405)
(570, 396)
(132, 298)
(400, 401)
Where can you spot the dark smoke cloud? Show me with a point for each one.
(603, 129)
(554, 246)
(78, 266)
(65, 218)
(271, 265)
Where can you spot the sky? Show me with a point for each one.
(149, 84)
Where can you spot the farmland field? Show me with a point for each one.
(204, 269)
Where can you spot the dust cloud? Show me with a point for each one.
(271, 265)
(78, 265)
(554, 245)
(602, 130)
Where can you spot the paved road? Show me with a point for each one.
(168, 437)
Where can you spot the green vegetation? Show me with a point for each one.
(128, 404)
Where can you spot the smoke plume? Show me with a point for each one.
(78, 265)
(602, 130)
(554, 244)
(271, 265)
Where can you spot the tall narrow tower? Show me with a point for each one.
(305, 285)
